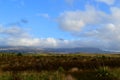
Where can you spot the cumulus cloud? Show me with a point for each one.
(13, 31)
(93, 27)
(108, 2)
(108, 36)
(76, 20)
(17, 36)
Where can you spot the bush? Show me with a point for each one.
(19, 54)
(60, 69)
(103, 73)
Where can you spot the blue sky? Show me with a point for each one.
(60, 23)
(13, 11)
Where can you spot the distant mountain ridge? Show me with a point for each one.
(51, 50)
(77, 50)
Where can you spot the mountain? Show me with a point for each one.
(21, 49)
(51, 50)
(77, 50)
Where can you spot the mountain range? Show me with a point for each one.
(23, 49)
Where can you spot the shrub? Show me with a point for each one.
(60, 69)
(19, 54)
(103, 73)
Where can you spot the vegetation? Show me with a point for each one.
(59, 67)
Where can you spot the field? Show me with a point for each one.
(59, 66)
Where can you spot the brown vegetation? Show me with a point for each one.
(77, 66)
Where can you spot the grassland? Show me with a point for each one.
(59, 66)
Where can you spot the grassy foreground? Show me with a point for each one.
(59, 67)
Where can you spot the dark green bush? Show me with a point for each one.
(103, 73)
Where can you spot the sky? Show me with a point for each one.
(60, 23)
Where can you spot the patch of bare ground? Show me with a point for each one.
(69, 77)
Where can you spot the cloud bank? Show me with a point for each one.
(16, 36)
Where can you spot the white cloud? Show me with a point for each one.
(108, 2)
(13, 31)
(99, 29)
(76, 20)
(16, 36)
(106, 37)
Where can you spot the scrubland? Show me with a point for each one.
(82, 66)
